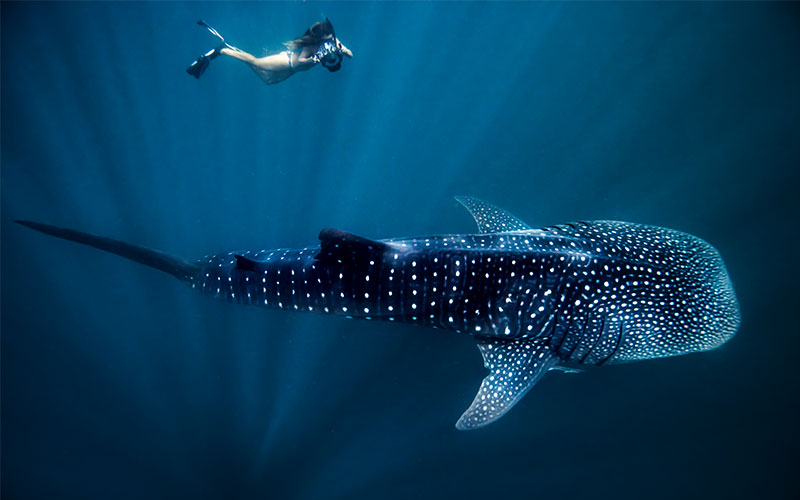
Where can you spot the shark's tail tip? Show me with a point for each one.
(28, 223)
(42, 228)
(179, 268)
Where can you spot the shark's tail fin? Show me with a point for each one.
(179, 268)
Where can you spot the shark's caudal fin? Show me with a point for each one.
(179, 268)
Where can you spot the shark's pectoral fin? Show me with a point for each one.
(566, 369)
(489, 218)
(515, 367)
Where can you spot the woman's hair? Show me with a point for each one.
(313, 36)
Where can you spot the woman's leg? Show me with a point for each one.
(238, 54)
(276, 62)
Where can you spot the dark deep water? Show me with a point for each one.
(119, 382)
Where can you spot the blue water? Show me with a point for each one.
(119, 382)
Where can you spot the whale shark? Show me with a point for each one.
(560, 297)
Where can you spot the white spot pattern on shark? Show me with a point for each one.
(584, 293)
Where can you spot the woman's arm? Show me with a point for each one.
(305, 62)
(306, 59)
(344, 49)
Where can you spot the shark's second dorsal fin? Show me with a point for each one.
(340, 247)
(491, 219)
(516, 366)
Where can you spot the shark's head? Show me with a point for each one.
(704, 312)
(689, 297)
(717, 310)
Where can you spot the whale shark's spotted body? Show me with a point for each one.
(586, 293)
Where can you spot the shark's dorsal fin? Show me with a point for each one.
(341, 247)
(245, 263)
(491, 219)
(516, 366)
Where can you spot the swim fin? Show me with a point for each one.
(210, 29)
(197, 68)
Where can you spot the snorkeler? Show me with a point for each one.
(318, 45)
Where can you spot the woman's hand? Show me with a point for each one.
(344, 49)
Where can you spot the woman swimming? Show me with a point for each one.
(318, 45)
